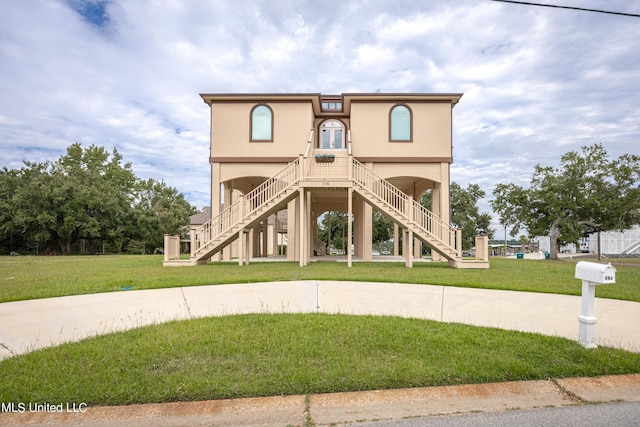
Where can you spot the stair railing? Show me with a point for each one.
(216, 226)
(246, 205)
(273, 186)
(434, 225)
(383, 189)
(319, 246)
(404, 205)
(337, 168)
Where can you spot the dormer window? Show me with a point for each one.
(331, 103)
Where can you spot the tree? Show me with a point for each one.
(333, 230)
(87, 194)
(465, 213)
(382, 229)
(159, 210)
(588, 192)
(21, 191)
(92, 197)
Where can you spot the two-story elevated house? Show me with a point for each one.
(307, 154)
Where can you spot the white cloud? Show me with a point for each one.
(537, 82)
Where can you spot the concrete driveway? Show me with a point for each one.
(34, 324)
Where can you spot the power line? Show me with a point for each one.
(569, 7)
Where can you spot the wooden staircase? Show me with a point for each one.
(274, 194)
(269, 197)
(407, 213)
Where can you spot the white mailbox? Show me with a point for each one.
(592, 274)
(598, 274)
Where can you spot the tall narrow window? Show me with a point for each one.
(400, 123)
(261, 123)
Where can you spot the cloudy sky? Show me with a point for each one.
(537, 81)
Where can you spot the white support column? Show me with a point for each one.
(311, 229)
(247, 247)
(367, 235)
(228, 201)
(436, 200)
(408, 259)
(255, 242)
(167, 242)
(482, 248)
(241, 231)
(216, 199)
(404, 242)
(274, 235)
(396, 240)
(357, 227)
(367, 231)
(409, 256)
(192, 244)
(349, 227)
(417, 243)
(314, 231)
(302, 232)
(417, 248)
(292, 229)
(265, 237)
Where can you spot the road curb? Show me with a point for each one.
(349, 407)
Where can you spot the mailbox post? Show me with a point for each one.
(592, 274)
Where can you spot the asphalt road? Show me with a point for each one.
(625, 414)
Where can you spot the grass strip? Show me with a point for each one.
(30, 277)
(286, 354)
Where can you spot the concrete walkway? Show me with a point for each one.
(29, 325)
(34, 324)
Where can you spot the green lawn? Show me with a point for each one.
(272, 354)
(283, 354)
(29, 277)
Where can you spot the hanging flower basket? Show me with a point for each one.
(325, 158)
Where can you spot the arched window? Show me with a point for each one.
(261, 123)
(332, 134)
(400, 126)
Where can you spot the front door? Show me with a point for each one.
(332, 134)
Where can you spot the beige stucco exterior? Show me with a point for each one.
(359, 137)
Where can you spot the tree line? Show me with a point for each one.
(86, 201)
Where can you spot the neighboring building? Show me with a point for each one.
(200, 218)
(544, 245)
(617, 243)
(614, 243)
(300, 155)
